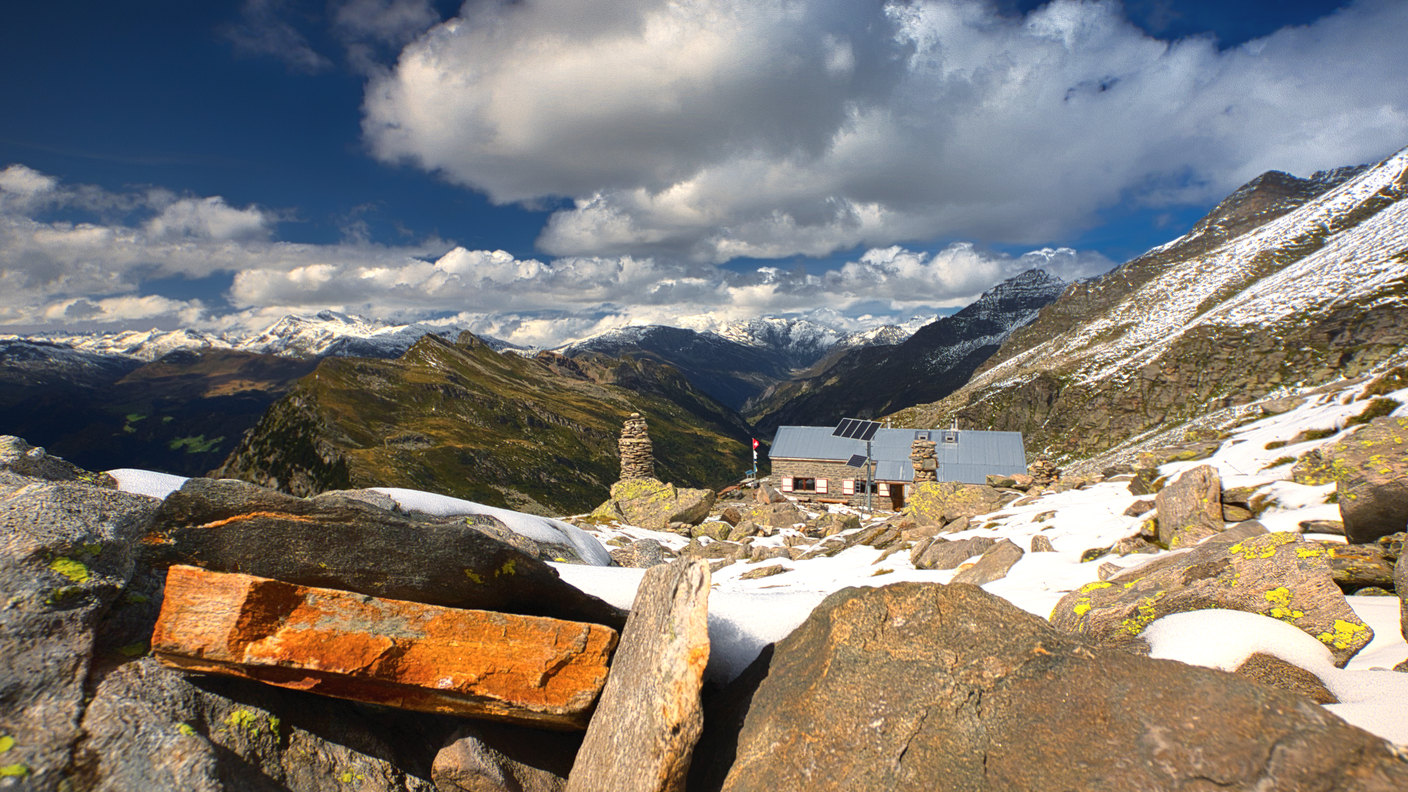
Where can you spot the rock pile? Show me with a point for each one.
(925, 459)
(637, 457)
(1044, 472)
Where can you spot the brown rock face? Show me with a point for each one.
(1371, 469)
(927, 687)
(1190, 508)
(486, 757)
(1400, 585)
(1278, 575)
(520, 669)
(643, 733)
(944, 554)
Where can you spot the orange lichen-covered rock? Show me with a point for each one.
(521, 669)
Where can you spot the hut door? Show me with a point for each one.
(897, 496)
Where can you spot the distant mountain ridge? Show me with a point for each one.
(735, 361)
(534, 433)
(1288, 282)
(937, 359)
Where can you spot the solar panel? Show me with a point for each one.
(856, 429)
(857, 460)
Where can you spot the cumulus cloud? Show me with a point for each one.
(724, 128)
(209, 218)
(64, 274)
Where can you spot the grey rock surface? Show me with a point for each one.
(914, 687)
(67, 549)
(642, 736)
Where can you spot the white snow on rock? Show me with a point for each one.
(147, 482)
(539, 529)
(1370, 698)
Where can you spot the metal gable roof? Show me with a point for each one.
(969, 458)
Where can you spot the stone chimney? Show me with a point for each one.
(925, 459)
(637, 456)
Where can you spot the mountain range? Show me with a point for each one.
(1287, 283)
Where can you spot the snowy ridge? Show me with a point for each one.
(1242, 282)
(145, 345)
(328, 333)
(795, 336)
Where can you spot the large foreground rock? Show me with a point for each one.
(653, 504)
(520, 669)
(66, 552)
(341, 543)
(643, 733)
(1278, 575)
(928, 687)
(1371, 478)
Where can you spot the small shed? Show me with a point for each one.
(811, 462)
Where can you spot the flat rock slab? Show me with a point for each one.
(233, 526)
(918, 687)
(499, 666)
(642, 736)
(1278, 575)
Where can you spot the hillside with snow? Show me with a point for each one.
(1288, 282)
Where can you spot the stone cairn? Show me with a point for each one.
(1044, 472)
(637, 457)
(925, 459)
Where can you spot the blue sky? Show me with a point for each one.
(545, 169)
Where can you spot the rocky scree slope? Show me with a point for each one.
(535, 434)
(932, 363)
(1286, 283)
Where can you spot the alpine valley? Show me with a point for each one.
(1288, 283)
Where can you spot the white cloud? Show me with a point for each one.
(725, 128)
(209, 218)
(64, 274)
